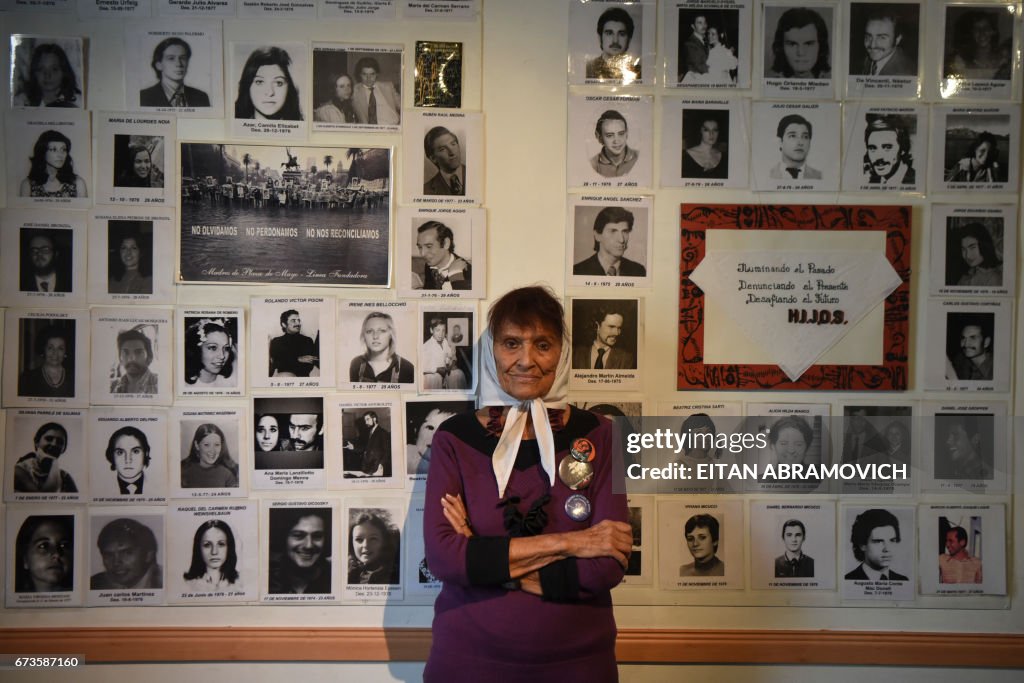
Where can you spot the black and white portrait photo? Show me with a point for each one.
(135, 159)
(446, 361)
(287, 337)
(213, 553)
(265, 82)
(609, 241)
(972, 344)
(977, 51)
(378, 345)
(366, 438)
(49, 160)
(129, 457)
(132, 361)
(706, 143)
(792, 545)
(886, 150)
(356, 87)
(796, 147)
(422, 418)
(795, 435)
(798, 50)
(138, 161)
(978, 149)
(300, 550)
(211, 352)
(46, 356)
(44, 263)
(973, 250)
(124, 249)
(47, 71)
(46, 453)
(175, 67)
(288, 433)
(445, 250)
(699, 546)
(964, 446)
(605, 334)
(708, 48)
(373, 567)
(610, 141)
(874, 434)
(44, 554)
(130, 260)
(273, 199)
(47, 255)
(444, 172)
(970, 348)
(606, 42)
(209, 451)
(450, 169)
(884, 47)
(128, 556)
(878, 560)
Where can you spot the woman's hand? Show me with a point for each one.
(455, 512)
(608, 538)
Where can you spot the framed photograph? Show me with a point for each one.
(442, 253)
(123, 246)
(795, 434)
(213, 553)
(212, 452)
(267, 214)
(877, 434)
(47, 71)
(610, 241)
(607, 335)
(878, 561)
(792, 545)
(979, 148)
(705, 143)
(115, 533)
(45, 262)
(610, 141)
(421, 586)
(611, 41)
(710, 426)
(371, 436)
(700, 545)
(796, 146)
(357, 87)
(707, 44)
(798, 50)
(866, 247)
(437, 76)
(135, 159)
(447, 362)
(46, 456)
(954, 561)
(451, 168)
(299, 565)
(373, 555)
(132, 469)
(886, 149)
(289, 441)
(266, 94)
(378, 345)
(49, 159)
(422, 418)
(286, 338)
(978, 47)
(175, 67)
(132, 352)
(44, 556)
(973, 250)
(46, 358)
(971, 342)
(885, 40)
(966, 446)
(211, 351)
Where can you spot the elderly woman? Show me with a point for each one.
(380, 363)
(52, 172)
(44, 554)
(52, 378)
(209, 464)
(266, 89)
(373, 549)
(214, 565)
(527, 562)
(51, 80)
(210, 354)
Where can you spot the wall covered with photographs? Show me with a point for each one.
(245, 258)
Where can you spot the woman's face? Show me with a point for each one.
(268, 91)
(54, 352)
(267, 433)
(306, 541)
(56, 154)
(709, 133)
(214, 352)
(700, 545)
(712, 37)
(790, 447)
(343, 88)
(209, 448)
(48, 557)
(982, 152)
(214, 547)
(526, 359)
(367, 544)
(142, 164)
(48, 74)
(129, 253)
(983, 33)
(377, 335)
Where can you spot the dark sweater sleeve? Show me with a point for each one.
(487, 560)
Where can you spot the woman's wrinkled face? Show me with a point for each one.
(142, 164)
(267, 433)
(367, 544)
(268, 91)
(209, 448)
(214, 352)
(56, 154)
(377, 335)
(790, 446)
(526, 359)
(48, 74)
(214, 547)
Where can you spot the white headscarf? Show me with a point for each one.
(491, 394)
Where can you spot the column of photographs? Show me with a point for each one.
(229, 466)
(849, 114)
